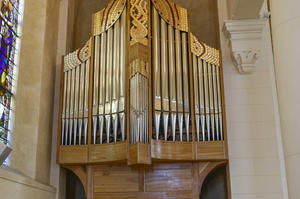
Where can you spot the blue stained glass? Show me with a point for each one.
(9, 16)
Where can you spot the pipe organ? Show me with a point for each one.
(142, 90)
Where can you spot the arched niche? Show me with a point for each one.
(215, 184)
(75, 182)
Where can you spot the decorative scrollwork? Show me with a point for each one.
(139, 22)
(197, 46)
(172, 14)
(204, 51)
(106, 17)
(74, 59)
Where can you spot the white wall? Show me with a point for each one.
(255, 148)
(14, 185)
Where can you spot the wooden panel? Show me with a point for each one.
(210, 150)
(167, 180)
(115, 179)
(115, 195)
(171, 180)
(108, 152)
(166, 195)
(172, 150)
(139, 154)
(73, 154)
(146, 195)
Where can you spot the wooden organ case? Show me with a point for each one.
(142, 105)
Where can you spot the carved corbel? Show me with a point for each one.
(245, 38)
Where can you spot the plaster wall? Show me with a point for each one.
(286, 29)
(252, 124)
(29, 172)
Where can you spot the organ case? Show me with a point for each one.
(142, 90)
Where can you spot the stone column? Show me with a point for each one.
(286, 30)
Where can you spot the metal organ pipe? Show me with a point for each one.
(72, 89)
(64, 119)
(102, 82)
(96, 87)
(170, 88)
(220, 104)
(164, 78)
(185, 83)
(196, 94)
(122, 77)
(116, 69)
(172, 82)
(201, 97)
(81, 99)
(76, 111)
(86, 108)
(179, 83)
(108, 88)
(156, 76)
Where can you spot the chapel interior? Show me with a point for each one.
(149, 99)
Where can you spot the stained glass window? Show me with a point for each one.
(10, 20)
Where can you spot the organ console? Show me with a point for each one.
(143, 90)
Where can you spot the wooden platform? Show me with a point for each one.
(157, 151)
(160, 180)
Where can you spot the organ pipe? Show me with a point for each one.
(121, 76)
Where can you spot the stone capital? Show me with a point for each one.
(245, 38)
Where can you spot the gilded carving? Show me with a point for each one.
(106, 17)
(197, 47)
(139, 66)
(139, 22)
(74, 59)
(204, 51)
(172, 14)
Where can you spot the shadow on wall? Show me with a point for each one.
(74, 188)
(215, 185)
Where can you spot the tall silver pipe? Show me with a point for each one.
(102, 82)
(220, 103)
(122, 72)
(96, 86)
(172, 81)
(146, 109)
(206, 94)
(179, 83)
(115, 78)
(201, 97)
(81, 100)
(68, 106)
(76, 103)
(196, 95)
(64, 107)
(156, 75)
(211, 100)
(185, 83)
(72, 104)
(164, 77)
(108, 89)
(86, 99)
(216, 108)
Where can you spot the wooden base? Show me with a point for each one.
(139, 153)
(73, 155)
(116, 151)
(165, 150)
(167, 180)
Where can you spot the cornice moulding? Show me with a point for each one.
(245, 38)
